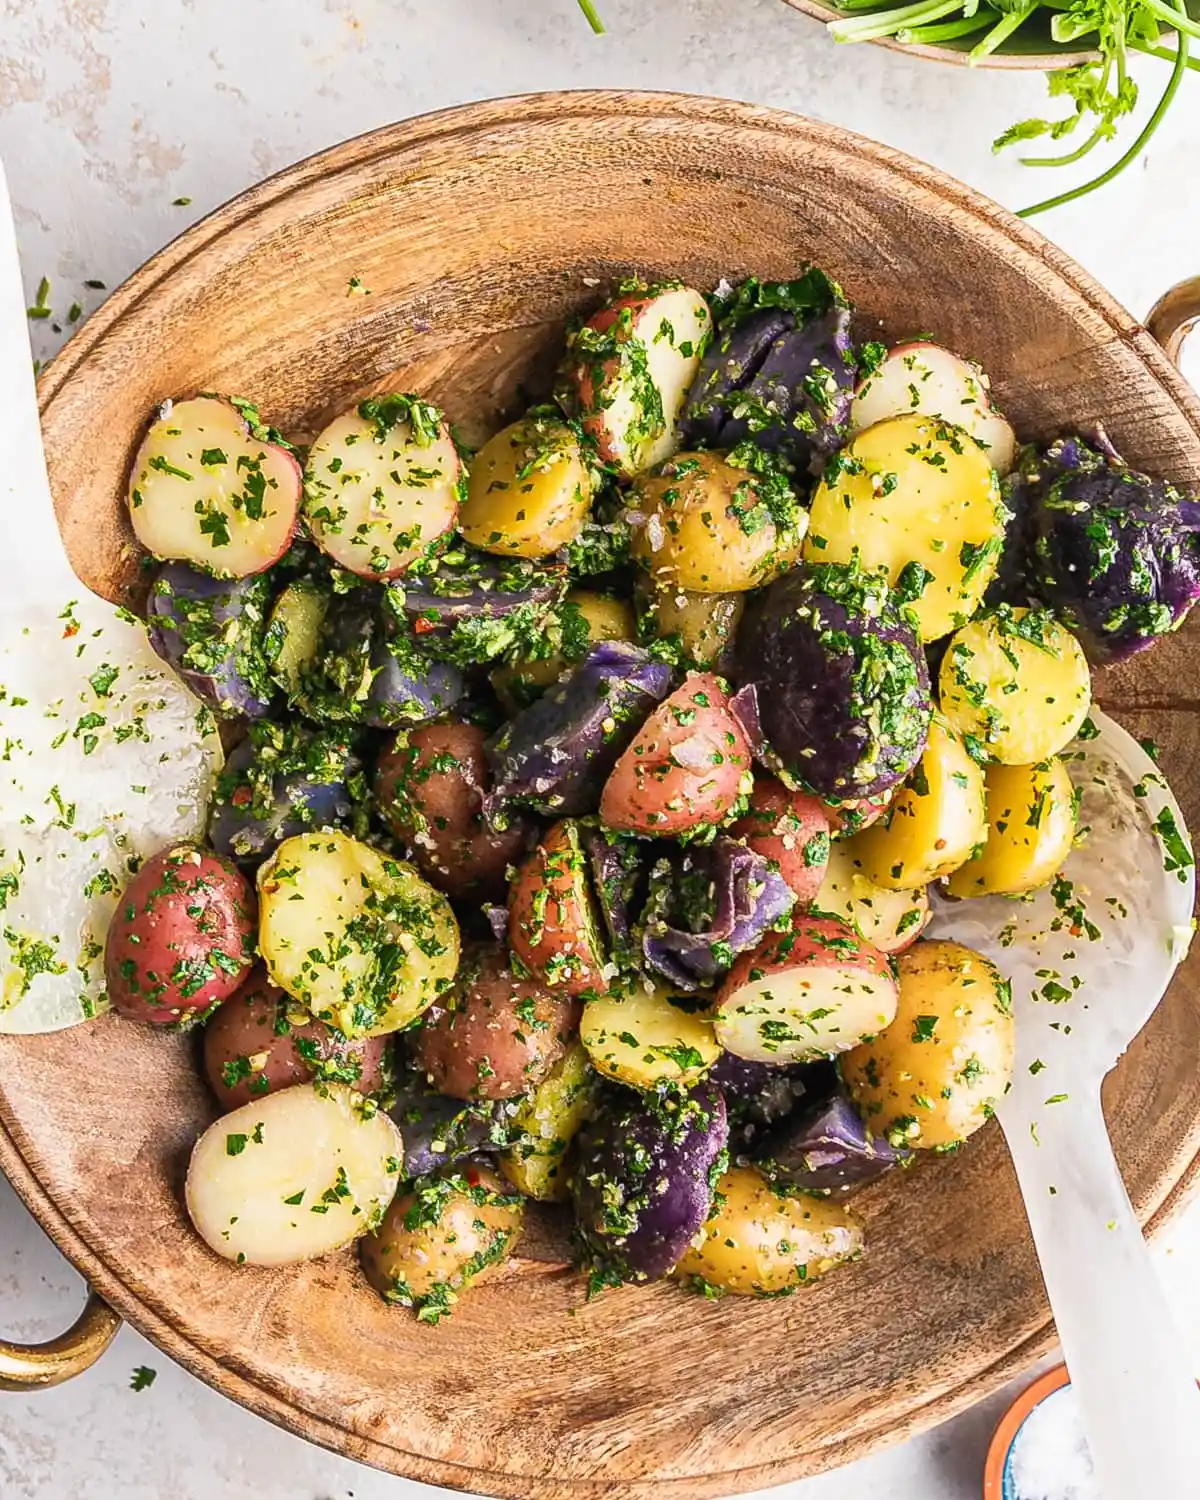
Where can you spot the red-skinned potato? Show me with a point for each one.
(429, 786)
(804, 994)
(648, 344)
(851, 817)
(206, 489)
(790, 828)
(259, 1042)
(552, 927)
(182, 936)
(687, 768)
(494, 1036)
(928, 380)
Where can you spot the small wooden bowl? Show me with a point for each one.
(1029, 50)
(478, 232)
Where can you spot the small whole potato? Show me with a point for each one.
(711, 528)
(687, 767)
(1031, 830)
(259, 1042)
(530, 489)
(182, 936)
(429, 788)
(552, 926)
(790, 828)
(765, 1243)
(705, 624)
(494, 1036)
(444, 1236)
(934, 1075)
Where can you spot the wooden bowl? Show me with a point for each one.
(478, 232)
(1028, 50)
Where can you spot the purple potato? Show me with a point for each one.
(798, 402)
(644, 1184)
(757, 1095)
(210, 630)
(618, 868)
(556, 755)
(1115, 553)
(716, 901)
(732, 359)
(438, 1131)
(408, 688)
(842, 685)
(825, 1146)
(277, 783)
(472, 608)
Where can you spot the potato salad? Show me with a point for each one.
(587, 796)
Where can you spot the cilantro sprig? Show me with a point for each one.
(1101, 94)
(593, 18)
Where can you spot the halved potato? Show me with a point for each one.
(934, 823)
(530, 490)
(207, 489)
(646, 1036)
(631, 366)
(889, 920)
(293, 1176)
(918, 499)
(548, 1119)
(1018, 682)
(357, 938)
(926, 380)
(382, 484)
(1031, 830)
(804, 994)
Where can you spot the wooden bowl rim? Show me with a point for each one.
(354, 154)
(1015, 62)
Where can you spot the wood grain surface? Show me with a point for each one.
(478, 232)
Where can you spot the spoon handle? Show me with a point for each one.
(1135, 1381)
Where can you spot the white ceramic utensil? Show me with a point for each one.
(1090, 957)
(107, 756)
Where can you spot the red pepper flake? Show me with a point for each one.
(473, 1177)
(422, 626)
(241, 796)
(70, 630)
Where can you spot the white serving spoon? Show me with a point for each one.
(1090, 958)
(105, 757)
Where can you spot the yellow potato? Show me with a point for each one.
(1018, 682)
(919, 500)
(584, 619)
(359, 939)
(1031, 827)
(935, 821)
(934, 1076)
(707, 527)
(549, 1118)
(706, 624)
(889, 920)
(529, 492)
(639, 1037)
(441, 1238)
(759, 1242)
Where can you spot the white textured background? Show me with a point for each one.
(110, 110)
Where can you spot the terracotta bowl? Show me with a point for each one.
(478, 232)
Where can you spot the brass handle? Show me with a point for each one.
(1176, 315)
(27, 1367)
